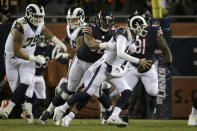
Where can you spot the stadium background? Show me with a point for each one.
(176, 89)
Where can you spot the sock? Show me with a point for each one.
(64, 107)
(28, 100)
(18, 96)
(82, 103)
(51, 108)
(72, 115)
(116, 111)
(78, 97)
(110, 108)
(124, 98)
(194, 111)
(57, 101)
(105, 100)
(152, 104)
(102, 108)
(37, 103)
(195, 102)
(10, 106)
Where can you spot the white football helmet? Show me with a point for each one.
(35, 14)
(75, 17)
(138, 25)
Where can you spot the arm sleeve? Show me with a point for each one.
(121, 47)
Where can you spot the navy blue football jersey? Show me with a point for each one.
(89, 55)
(147, 45)
(46, 52)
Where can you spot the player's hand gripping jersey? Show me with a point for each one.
(90, 55)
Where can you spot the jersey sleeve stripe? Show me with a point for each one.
(20, 24)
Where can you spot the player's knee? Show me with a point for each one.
(153, 91)
(195, 102)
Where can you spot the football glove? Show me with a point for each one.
(38, 59)
(107, 46)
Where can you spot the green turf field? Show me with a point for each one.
(94, 125)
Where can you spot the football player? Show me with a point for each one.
(75, 24)
(38, 83)
(19, 56)
(111, 67)
(90, 51)
(145, 49)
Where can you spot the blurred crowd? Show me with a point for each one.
(91, 7)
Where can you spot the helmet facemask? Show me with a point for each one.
(138, 25)
(75, 17)
(105, 20)
(106, 23)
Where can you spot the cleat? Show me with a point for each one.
(104, 122)
(192, 120)
(43, 118)
(4, 109)
(116, 120)
(27, 108)
(4, 113)
(66, 121)
(58, 114)
(125, 117)
(107, 114)
(41, 122)
(23, 115)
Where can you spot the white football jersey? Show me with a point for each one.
(110, 56)
(30, 37)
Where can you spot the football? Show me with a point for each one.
(140, 69)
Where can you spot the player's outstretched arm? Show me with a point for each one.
(53, 38)
(162, 44)
(91, 41)
(121, 47)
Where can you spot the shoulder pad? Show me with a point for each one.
(121, 31)
(19, 26)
